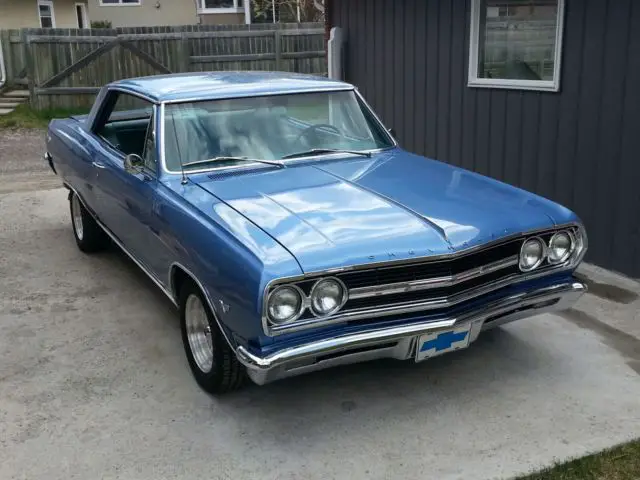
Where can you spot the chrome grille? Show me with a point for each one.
(407, 273)
(430, 285)
(419, 295)
(406, 283)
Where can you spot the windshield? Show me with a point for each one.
(269, 128)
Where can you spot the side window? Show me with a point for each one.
(124, 123)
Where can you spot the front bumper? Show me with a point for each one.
(399, 342)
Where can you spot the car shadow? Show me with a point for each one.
(348, 397)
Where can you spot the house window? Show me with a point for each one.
(45, 12)
(221, 6)
(516, 44)
(119, 2)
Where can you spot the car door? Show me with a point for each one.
(125, 199)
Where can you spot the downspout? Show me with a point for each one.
(3, 70)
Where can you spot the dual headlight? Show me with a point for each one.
(286, 303)
(534, 250)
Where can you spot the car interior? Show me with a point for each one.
(128, 136)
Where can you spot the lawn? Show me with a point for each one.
(618, 463)
(25, 117)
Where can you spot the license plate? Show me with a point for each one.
(443, 341)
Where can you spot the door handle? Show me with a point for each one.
(98, 164)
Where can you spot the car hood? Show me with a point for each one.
(392, 206)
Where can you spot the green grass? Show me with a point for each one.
(618, 463)
(25, 117)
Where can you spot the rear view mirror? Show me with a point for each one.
(133, 163)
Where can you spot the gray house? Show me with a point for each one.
(542, 94)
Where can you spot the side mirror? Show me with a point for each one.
(392, 132)
(133, 163)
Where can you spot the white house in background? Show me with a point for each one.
(149, 13)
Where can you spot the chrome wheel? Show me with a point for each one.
(199, 333)
(76, 217)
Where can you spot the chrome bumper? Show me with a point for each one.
(399, 342)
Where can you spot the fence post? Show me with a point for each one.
(277, 45)
(335, 53)
(3, 70)
(184, 61)
(30, 68)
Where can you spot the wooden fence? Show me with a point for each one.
(65, 68)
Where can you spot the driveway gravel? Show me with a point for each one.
(94, 383)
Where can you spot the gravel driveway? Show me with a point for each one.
(94, 383)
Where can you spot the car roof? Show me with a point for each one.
(183, 87)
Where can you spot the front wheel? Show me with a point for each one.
(212, 361)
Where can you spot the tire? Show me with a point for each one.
(213, 363)
(89, 236)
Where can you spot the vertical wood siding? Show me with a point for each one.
(579, 147)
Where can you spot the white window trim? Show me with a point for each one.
(85, 16)
(514, 84)
(235, 9)
(120, 4)
(53, 14)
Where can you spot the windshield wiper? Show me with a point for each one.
(320, 151)
(240, 159)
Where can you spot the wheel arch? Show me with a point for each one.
(178, 275)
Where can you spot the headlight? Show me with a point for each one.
(284, 305)
(328, 296)
(561, 247)
(531, 254)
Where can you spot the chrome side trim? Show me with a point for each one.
(429, 283)
(399, 342)
(204, 292)
(115, 240)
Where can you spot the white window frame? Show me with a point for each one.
(120, 4)
(49, 3)
(85, 17)
(235, 9)
(514, 84)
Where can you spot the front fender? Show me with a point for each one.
(231, 258)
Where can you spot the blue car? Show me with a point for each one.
(292, 232)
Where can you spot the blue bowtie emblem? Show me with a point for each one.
(443, 341)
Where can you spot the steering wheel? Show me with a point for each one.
(313, 129)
